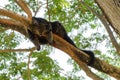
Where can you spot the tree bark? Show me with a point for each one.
(98, 64)
(112, 13)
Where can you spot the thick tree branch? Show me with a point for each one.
(111, 12)
(7, 24)
(10, 22)
(72, 51)
(24, 6)
(15, 16)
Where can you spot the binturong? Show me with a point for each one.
(41, 31)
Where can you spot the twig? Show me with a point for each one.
(17, 50)
(29, 75)
(39, 6)
(48, 10)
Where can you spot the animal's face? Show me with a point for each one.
(42, 29)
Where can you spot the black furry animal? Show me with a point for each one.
(40, 32)
(56, 28)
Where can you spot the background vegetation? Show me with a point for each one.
(82, 25)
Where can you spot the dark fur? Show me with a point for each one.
(40, 32)
(58, 29)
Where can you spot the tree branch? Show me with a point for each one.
(7, 24)
(73, 52)
(112, 38)
(39, 6)
(111, 13)
(17, 50)
(88, 71)
(10, 22)
(15, 16)
(48, 10)
(29, 76)
(23, 5)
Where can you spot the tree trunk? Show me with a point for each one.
(112, 13)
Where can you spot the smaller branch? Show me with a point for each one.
(112, 38)
(39, 6)
(48, 11)
(18, 50)
(89, 72)
(29, 75)
(24, 6)
(37, 10)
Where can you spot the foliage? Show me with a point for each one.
(76, 18)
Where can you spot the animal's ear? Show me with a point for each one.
(34, 21)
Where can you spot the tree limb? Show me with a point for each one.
(72, 51)
(39, 6)
(88, 71)
(7, 24)
(10, 22)
(18, 50)
(15, 16)
(112, 38)
(111, 13)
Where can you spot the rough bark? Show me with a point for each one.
(98, 64)
(112, 13)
